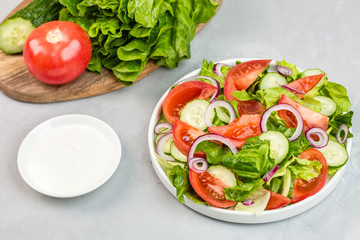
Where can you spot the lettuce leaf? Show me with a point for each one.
(251, 162)
(126, 34)
(240, 192)
(295, 71)
(305, 169)
(338, 93)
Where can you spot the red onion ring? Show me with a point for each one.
(292, 89)
(267, 176)
(284, 71)
(163, 127)
(212, 80)
(217, 68)
(211, 137)
(198, 164)
(159, 147)
(215, 104)
(321, 134)
(248, 202)
(345, 129)
(288, 107)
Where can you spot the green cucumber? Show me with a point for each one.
(14, 31)
(260, 197)
(279, 145)
(223, 114)
(335, 154)
(328, 106)
(194, 113)
(271, 80)
(40, 11)
(226, 176)
(176, 154)
(286, 187)
(167, 144)
(13, 34)
(310, 72)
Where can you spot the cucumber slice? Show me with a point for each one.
(13, 34)
(158, 137)
(271, 80)
(175, 152)
(286, 183)
(279, 145)
(167, 145)
(226, 176)
(335, 154)
(310, 72)
(194, 113)
(260, 197)
(328, 106)
(223, 114)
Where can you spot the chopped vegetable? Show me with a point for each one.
(127, 34)
(258, 161)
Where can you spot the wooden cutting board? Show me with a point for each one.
(18, 83)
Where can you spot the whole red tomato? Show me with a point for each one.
(57, 52)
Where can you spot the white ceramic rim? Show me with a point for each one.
(231, 215)
(60, 121)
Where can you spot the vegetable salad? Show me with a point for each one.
(253, 136)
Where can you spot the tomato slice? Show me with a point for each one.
(305, 84)
(277, 201)
(311, 118)
(242, 76)
(303, 189)
(250, 107)
(184, 135)
(182, 94)
(240, 129)
(210, 189)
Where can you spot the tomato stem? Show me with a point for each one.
(54, 36)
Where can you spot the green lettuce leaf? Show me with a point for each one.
(295, 71)
(251, 162)
(305, 169)
(179, 178)
(240, 192)
(207, 70)
(137, 31)
(339, 94)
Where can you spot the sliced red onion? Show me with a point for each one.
(321, 135)
(248, 202)
(284, 71)
(159, 147)
(267, 176)
(292, 89)
(212, 80)
(211, 137)
(288, 107)
(163, 127)
(198, 164)
(217, 68)
(215, 104)
(345, 129)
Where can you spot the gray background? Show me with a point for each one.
(134, 204)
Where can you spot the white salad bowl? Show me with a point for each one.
(232, 215)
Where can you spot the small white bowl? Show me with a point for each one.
(231, 215)
(68, 156)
